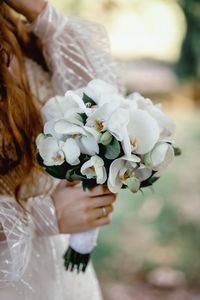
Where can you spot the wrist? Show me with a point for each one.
(32, 14)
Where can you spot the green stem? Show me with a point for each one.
(73, 259)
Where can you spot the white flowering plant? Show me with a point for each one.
(98, 136)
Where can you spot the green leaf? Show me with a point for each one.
(86, 99)
(55, 171)
(58, 171)
(73, 175)
(84, 117)
(112, 150)
(39, 159)
(149, 182)
(152, 180)
(85, 186)
(88, 183)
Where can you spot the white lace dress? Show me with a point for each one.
(31, 264)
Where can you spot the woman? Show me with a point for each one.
(46, 55)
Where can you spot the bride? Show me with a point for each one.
(42, 55)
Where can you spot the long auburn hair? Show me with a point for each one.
(20, 120)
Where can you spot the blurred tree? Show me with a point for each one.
(189, 63)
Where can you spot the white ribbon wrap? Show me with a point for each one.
(84, 242)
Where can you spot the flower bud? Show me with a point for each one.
(160, 157)
(177, 151)
(133, 184)
(106, 138)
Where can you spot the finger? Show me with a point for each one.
(101, 201)
(103, 221)
(62, 184)
(98, 191)
(100, 212)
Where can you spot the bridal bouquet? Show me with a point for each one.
(97, 136)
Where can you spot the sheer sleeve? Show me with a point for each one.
(17, 228)
(15, 242)
(76, 50)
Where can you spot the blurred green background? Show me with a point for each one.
(152, 248)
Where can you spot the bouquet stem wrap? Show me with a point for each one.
(80, 246)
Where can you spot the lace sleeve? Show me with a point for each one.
(75, 50)
(15, 242)
(43, 215)
(17, 228)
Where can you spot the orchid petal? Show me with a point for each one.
(71, 151)
(114, 182)
(166, 124)
(97, 88)
(100, 174)
(49, 129)
(52, 109)
(162, 156)
(117, 122)
(93, 132)
(39, 139)
(64, 127)
(143, 173)
(126, 145)
(144, 130)
(88, 145)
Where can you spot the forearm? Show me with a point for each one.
(30, 9)
(35, 11)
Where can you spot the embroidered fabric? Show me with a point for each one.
(82, 50)
(31, 249)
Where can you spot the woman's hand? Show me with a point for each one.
(29, 8)
(79, 211)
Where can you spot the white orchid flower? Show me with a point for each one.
(49, 127)
(94, 168)
(120, 170)
(51, 151)
(160, 157)
(69, 107)
(54, 152)
(86, 139)
(143, 133)
(165, 123)
(63, 106)
(109, 117)
(101, 92)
